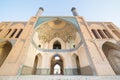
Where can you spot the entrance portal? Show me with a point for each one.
(56, 65)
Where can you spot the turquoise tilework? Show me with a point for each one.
(42, 20)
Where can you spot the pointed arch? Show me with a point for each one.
(59, 42)
(56, 28)
(112, 53)
(57, 67)
(37, 63)
(5, 48)
(57, 45)
(44, 21)
(95, 33)
(76, 62)
(101, 33)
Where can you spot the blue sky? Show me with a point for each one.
(91, 10)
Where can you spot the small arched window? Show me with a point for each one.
(15, 30)
(101, 33)
(19, 33)
(56, 45)
(107, 33)
(95, 34)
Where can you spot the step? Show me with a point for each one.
(59, 77)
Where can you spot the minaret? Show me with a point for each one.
(74, 11)
(40, 11)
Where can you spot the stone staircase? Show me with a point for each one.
(59, 77)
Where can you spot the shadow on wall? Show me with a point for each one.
(112, 53)
(5, 48)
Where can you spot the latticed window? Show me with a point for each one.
(101, 33)
(107, 34)
(95, 34)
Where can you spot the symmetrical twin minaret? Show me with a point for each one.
(40, 11)
(74, 11)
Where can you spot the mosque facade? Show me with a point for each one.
(59, 45)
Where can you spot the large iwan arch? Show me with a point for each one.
(112, 53)
(5, 48)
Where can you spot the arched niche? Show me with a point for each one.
(5, 48)
(57, 45)
(76, 64)
(57, 40)
(57, 67)
(56, 29)
(37, 64)
(112, 53)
